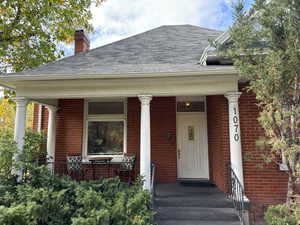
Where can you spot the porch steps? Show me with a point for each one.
(176, 204)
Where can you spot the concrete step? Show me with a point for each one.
(169, 190)
(192, 201)
(196, 222)
(196, 213)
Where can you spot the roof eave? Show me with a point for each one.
(8, 81)
(209, 71)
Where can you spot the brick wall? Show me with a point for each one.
(44, 119)
(69, 127)
(163, 135)
(265, 185)
(35, 117)
(218, 140)
(133, 130)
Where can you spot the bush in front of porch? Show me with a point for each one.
(283, 214)
(45, 199)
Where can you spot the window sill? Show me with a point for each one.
(115, 158)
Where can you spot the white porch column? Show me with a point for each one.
(20, 125)
(51, 135)
(235, 135)
(145, 136)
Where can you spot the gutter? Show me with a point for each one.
(12, 78)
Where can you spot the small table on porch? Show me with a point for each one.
(99, 161)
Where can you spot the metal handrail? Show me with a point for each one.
(237, 194)
(152, 184)
(153, 170)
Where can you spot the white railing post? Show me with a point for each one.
(235, 135)
(145, 141)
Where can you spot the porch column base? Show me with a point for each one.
(145, 145)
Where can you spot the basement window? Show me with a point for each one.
(105, 128)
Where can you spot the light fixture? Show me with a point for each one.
(187, 104)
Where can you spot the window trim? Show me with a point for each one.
(103, 117)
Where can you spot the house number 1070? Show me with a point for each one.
(235, 125)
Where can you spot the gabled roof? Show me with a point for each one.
(175, 48)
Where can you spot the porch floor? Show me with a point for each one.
(192, 203)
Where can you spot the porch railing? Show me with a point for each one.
(237, 195)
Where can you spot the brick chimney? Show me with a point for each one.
(82, 43)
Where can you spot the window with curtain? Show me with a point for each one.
(105, 128)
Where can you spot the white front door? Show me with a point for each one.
(192, 148)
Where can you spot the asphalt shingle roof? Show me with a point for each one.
(175, 48)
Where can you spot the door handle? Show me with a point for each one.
(178, 153)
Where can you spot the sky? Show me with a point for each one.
(114, 19)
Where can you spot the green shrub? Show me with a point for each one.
(8, 148)
(283, 215)
(62, 201)
(34, 152)
(44, 199)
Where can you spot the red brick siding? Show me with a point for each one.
(133, 129)
(69, 127)
(44, 121)
(267, 185)
(163, 122)
(218, 140)
(163, 148)
(35, 117)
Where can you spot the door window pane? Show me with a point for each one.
(105, 137)
(191, 133)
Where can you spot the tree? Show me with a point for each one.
(265, 48)
(31, 30)
(7, 115)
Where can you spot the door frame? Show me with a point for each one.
(192, 98)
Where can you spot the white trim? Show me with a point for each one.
(13, 81)
(104, 117)
(107, 88)
(224, 37)
(208, 71)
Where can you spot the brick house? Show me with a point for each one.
(103, 102)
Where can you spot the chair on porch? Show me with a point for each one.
(74, 167)
(126, 169)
